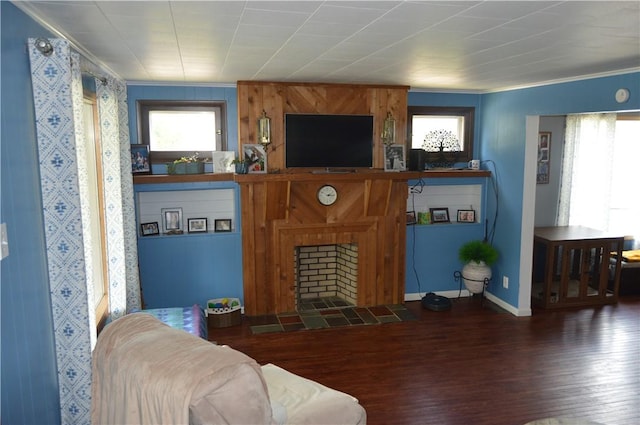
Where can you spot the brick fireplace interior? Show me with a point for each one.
(326, 276)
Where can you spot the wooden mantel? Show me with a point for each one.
(280, 212)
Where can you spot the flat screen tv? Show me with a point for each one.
(328, 141)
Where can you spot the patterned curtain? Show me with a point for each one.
(587, 170)
(57, 91)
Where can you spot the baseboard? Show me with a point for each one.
(464, 293)
(448, 294)
(506, 306)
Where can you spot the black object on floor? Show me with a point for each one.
(435, 302)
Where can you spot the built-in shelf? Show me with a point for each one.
(181, 178)
(307, 176)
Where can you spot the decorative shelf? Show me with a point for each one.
(181, 178)
(307, 176)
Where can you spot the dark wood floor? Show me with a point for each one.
(472, 365)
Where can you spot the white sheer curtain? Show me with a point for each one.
(587, 171)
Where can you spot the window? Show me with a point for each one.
(600, 156)
(624, 207)
(173, 129)
(96, 233)
(446, 133)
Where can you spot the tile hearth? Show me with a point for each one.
(330, 317)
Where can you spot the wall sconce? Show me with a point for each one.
(44, 46)
(389, 130)
(264, 129)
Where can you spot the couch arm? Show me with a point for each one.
(308, 402)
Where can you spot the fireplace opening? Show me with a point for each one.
(326, 276)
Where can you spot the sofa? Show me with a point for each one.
(146, 372)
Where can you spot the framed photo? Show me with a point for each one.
(439, 215)
(411, 217)
(223, 161)
(222, 225)
(197, 225)
(466, 216)
(394, 159)
(256, 156)
(148, 229)
(140, 163)
(544, 148)
(172, 220)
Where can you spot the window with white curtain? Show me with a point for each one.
(599, 173)
(624, 207)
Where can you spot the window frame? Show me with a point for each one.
(467, 112)
(145, 106)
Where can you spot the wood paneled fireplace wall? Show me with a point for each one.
(280, 212)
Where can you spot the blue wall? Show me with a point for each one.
(432, 250)
(503, 126)
(29, 377)
(182, 270)
(189, 269)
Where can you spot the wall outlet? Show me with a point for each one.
(4, 241)
(505, 282)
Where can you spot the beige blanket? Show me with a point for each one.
(145, 372)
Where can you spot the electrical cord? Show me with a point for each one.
(416, 188)
(491, 232)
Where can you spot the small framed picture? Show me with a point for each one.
(140, 163)
(222, 225)
(196, 225)
(256, 157)
(439, 215)
(172, 220)
(411, 217)
(466, 216)
(394, 158)
(148, 229)
(223, 161)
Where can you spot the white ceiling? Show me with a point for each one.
(474, 46)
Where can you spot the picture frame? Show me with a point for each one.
(256, 157)
(394, 159)
(222, 225)
(466, 216)
(544, 150)
(223, 161)
(439, 215)
(172, 220)
(411, 217)
(197, 225)
(140, 159)
(149, 229)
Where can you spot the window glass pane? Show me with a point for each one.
(625, 208)
(182, 131)
(431, 131)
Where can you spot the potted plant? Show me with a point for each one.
(242, 165)
(187, 165)
(478, 257)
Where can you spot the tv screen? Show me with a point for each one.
(328, 141)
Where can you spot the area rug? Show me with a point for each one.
(331, 318)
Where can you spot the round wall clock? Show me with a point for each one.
(327, 195)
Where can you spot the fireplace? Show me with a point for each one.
(280, 213)
(326, 276)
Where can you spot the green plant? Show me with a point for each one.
(193, 158)
(477, 251)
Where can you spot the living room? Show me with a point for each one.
(506, 123)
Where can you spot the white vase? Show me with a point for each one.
(474, 276)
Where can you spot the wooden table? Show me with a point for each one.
(574, 266)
